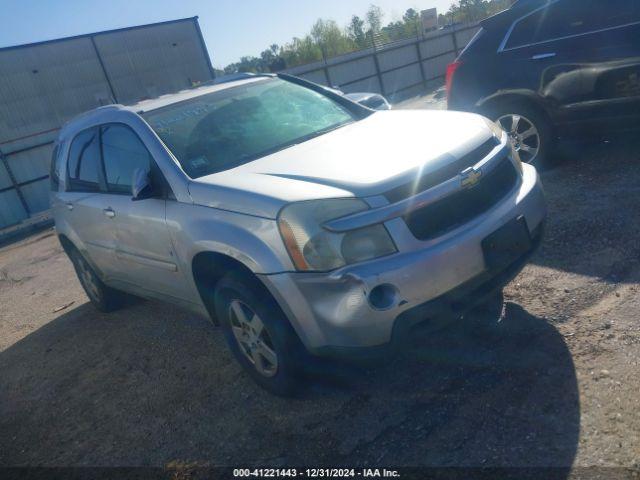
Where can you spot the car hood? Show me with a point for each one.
(362, 159)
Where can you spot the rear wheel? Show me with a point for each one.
(258, 333)
(104, 298)
(528, 128)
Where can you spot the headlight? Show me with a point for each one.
(312, 248)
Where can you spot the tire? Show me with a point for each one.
(542, 139)
(103, 298)
(258, 333)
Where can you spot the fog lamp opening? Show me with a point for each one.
(383, 297)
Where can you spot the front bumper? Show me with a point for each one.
(332, 312)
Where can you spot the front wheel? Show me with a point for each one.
(528, 128)
(258, 333)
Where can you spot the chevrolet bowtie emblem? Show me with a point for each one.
(470, 177)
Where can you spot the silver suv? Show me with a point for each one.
(300, 222)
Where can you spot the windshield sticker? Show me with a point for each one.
(197, 111)
(199, 162)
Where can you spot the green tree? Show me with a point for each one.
(412, 22)
(356, 32)
(374, 20)
(326, 39)
(330, 38)
(467, 11)
(301, 51)
(374, 33)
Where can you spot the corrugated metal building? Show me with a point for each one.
(42, 85)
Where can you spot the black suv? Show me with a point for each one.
(549, 68)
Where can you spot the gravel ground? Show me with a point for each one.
(555, 385)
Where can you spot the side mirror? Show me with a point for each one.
(141, 186)
(374, 101)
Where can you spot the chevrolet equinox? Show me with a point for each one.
(299, 221)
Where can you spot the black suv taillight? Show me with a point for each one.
(451, 70)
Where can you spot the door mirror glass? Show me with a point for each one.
(141, 186)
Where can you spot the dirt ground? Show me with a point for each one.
(556, 385)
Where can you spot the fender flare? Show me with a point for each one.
(525, 95)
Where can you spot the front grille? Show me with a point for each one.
(450, 170)
(461, 207)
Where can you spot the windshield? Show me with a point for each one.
(224, 129)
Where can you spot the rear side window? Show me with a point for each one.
(123, 153)
(83, 166)
(571, 17)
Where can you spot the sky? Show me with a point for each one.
(230, 28)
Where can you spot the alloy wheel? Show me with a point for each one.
(253, 338)
(523, 134)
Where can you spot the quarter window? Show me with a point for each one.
(567, 18)
(84, 165)
(123, 153)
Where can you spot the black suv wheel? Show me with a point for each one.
(528, 128)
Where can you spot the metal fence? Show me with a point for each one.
(403, 68)
(43, 85)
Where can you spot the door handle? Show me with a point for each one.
(69, 206)
(542, 56)
(109, 212)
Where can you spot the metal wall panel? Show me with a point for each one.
(22, 143)
(354, 70)
(43, 86)
(302, 69)
(316, 76)
(350, 56)
(11, 209)
(369, 85)
(30, 164)
(397, 57)
(436, 51)
(437, 67)
(36, 195)
(436, 46)
(401, 78)
(151, 61)
(5, 181)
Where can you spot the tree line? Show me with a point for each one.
(327, 39)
